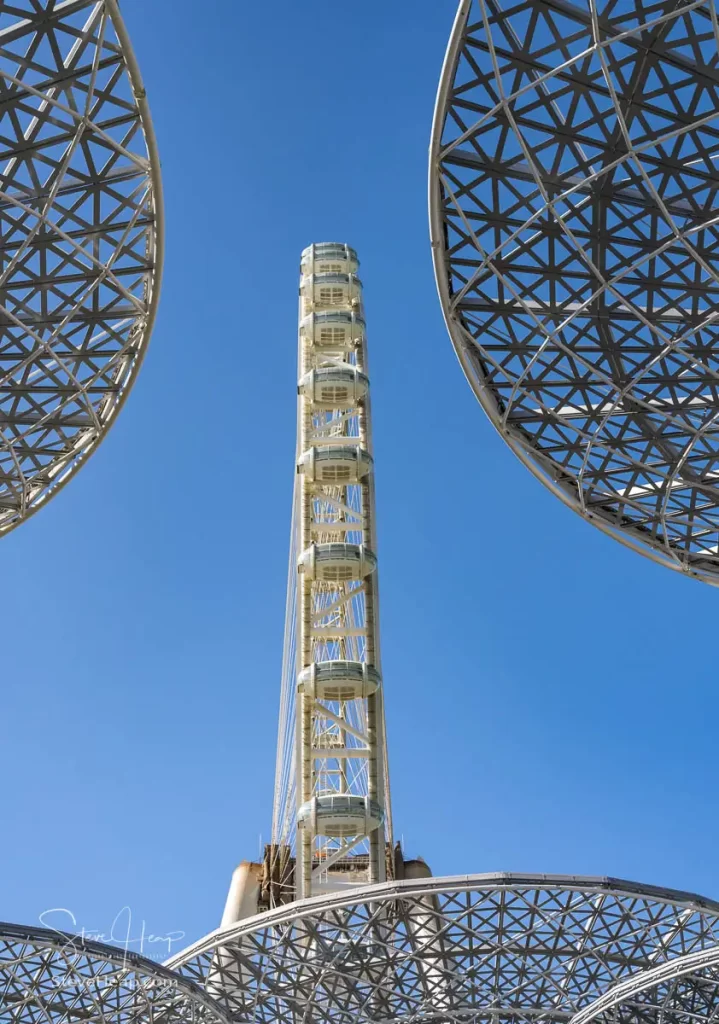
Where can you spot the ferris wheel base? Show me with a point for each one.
(256, 887)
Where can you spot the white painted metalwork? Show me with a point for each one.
(475, 949)
(684, 990)
(58, 978)
(573, 197)
(80, 239)
(331, 795)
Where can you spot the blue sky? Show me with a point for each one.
(551, 697)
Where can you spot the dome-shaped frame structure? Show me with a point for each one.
(51, 976)
(81, 230)
(478, 948)
(681, 991)
(573, 196)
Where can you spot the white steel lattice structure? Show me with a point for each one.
(486, 948)
(573, 197)
(331, 795)
(80, 239)
(683, 990)
(61, 979)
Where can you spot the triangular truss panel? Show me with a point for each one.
(573, 199)
(484, 948)
(680, 991)
(49, 977)
(80, 239)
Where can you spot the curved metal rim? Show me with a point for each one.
(138, 90)
(526, 456)
(389, 890)
(678, 967)
(51, 938)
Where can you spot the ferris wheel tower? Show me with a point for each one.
(332, 823)
(341, 800)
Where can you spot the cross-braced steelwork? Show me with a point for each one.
(80, 239)
(61, 979)
(479, 948)
(331, 794)
(682, 991)
(573, 198)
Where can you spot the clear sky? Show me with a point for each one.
(552, 698)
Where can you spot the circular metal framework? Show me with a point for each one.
(58, 978)
(573, 197)
(682, 991)
(501, 947)
(80, 239)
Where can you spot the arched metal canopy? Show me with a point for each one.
(575, 232)
(57, 978)
(514, 948)
(80, 239)
(682, 991)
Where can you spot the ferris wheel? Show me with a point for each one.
(332, 810)
(80, 239)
